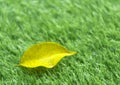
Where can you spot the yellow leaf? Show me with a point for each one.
(46, 54)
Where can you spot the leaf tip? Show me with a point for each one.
(73, 53)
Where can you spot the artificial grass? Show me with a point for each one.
(90, 27)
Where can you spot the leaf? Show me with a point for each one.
(46, 54)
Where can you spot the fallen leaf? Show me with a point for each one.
(46, 54)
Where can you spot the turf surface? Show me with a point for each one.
(90, 27)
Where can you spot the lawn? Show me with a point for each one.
(89, 27)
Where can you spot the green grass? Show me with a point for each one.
(90, 27)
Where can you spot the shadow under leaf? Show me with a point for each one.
(39, 71)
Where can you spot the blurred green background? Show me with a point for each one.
(90, 27)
